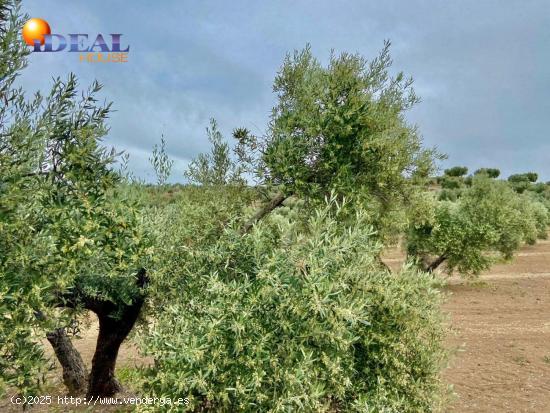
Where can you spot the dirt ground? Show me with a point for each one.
(499, 338)
(500, 335)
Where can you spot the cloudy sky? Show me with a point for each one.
(481, 68)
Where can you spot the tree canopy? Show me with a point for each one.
(67, 240)
(269, 296)
(342, 128)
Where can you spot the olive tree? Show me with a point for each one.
(490, 172)
(340, 127)
(522, 182)
(488, 217)
(68, 241)
(456, 171)
(288, 310)
(292, 316)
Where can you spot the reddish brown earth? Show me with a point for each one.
(499, 338)
(499, 335)
(500, 332)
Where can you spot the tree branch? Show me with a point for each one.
(275, 202)
(435, 263)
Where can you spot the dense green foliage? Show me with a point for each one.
(342, 128)
(65, 234)
(290, 311)
(63, 231)
(298, 314)
(490, 172)
(523, 182)
(456, 171)
(525, 177)
(293, 318)
(487, 217)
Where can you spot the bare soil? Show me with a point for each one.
(500, 336)
(499, 339)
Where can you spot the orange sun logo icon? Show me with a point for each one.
(35, 29)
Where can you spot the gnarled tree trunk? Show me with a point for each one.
(115, 324)
(112, 332)
(75, 375)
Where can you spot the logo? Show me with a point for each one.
(37, 33)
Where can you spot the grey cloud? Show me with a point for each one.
(482, 68)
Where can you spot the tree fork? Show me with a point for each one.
(112, 332)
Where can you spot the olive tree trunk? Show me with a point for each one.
(115, 323)
(112, 332)
(75, 375)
